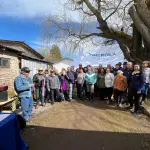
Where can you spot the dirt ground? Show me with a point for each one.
(84, 126)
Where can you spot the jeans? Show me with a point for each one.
(66, 96)
(133, 93)
(118, 96)
(145, 91)
(39, 96)
(70, 90)
(47, 98)
(80, 90)
(27, 106)
(52, 92)
(90, 88)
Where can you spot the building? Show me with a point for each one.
(64, 63)
(13, 56)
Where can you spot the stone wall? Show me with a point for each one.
(7, 75)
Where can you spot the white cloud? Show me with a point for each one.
(33, 8)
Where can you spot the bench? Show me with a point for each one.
(9, 101)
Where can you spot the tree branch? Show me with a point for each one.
(114, 10)
(83, 36)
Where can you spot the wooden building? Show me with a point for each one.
(13, 56)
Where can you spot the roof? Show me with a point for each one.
(17, 45)
(42, 60)
(11, 49)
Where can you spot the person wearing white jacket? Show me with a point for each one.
(109, 82)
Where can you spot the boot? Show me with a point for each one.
(88, 96)
(92, 97)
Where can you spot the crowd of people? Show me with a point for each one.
(125, 83)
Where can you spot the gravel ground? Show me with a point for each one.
(84, 126)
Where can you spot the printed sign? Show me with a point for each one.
(101, 55)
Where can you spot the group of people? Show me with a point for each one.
(125, 83)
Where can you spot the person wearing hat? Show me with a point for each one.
(39, 81)
(23, 86)
(124, 65)
(120, 85)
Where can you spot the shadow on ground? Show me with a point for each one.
(43, 138)
(98, 104)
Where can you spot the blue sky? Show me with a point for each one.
(21, 19)
(21, 29)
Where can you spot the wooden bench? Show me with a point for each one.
(12, 101)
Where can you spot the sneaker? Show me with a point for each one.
(108, 102)
(142, 103)
(37, 106)
(43, 105)
(120, 105)
(52, 103)
(135, 112)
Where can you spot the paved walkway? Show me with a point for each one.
(85, 126)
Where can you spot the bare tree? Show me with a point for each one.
(109, 20)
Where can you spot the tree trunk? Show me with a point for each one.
(143, 12)
(137, 42)
(139, 24)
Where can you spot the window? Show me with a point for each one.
(4, 62)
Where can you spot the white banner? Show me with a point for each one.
(101, 55)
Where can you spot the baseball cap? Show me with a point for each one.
(40, 69)
(52, 71)
(125, 63)
(25, 69)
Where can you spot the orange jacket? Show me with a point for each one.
(120, 83)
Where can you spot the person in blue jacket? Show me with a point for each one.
(90, 78)
(23, 86)
(135, 89)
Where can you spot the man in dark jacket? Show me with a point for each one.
(128, 74)
(136, 84)
(39, 81)
(71, 76)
